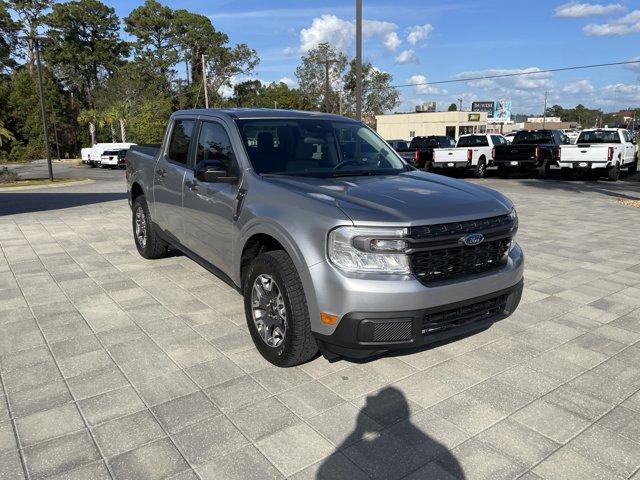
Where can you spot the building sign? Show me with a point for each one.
(501, 112)
(487, 107)
(474, 117)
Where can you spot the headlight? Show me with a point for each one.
(369, 250)
(513, 216)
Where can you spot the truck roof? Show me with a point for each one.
(246, 113)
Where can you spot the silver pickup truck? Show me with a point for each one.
(336, 243)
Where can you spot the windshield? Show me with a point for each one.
(473, 141)
(599, 136)
(314, 147)
(523, 138)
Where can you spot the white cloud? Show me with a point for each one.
(327, 28)
(406, 56)
(421, 87)
(418, 33)
(621, 93)
(289, 82)
(626, 25)
(340, 33)
(578, 87)
(289, 52)
(392, 41)
(576, 9)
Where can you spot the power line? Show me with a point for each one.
(517, 74)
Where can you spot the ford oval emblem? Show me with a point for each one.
(472, 239)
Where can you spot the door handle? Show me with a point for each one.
(191, 185)
(161, 172)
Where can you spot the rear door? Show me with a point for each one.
(209, 208)
(168, 177)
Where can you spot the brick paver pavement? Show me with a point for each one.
(113, 366)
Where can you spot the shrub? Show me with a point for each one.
(8, 176)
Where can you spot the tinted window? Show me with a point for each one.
(539, 137)
(599, 136)
(214, 144)
(473, 141)
(180, 139)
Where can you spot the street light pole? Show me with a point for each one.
(544, 114)
(359, 60)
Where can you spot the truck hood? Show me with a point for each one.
(412, 198)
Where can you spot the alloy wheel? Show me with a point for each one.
(268, 310)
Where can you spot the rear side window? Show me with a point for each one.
(214, 144)
(180, 140)
(473, 141)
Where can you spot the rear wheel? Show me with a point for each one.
(481, 169)
(543, 171)
(614, 173)
(147, 241)
(277, 312)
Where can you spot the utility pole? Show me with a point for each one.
(544, 114)
(359, 60)
(36, 42)
(204, 82)
(327, 86)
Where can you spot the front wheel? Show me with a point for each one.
(276, 310)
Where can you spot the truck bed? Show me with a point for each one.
(587, 153)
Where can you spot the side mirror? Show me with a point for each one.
(213, 171)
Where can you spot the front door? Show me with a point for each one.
(168, 178)
(209, 208)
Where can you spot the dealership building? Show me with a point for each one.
(416, 124)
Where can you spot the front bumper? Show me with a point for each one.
(352, 297)
(362, 334)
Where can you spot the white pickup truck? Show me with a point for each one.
(600, 151)
(474, 151)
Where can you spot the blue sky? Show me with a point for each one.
(417, 41)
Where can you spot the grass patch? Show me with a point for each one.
(629, 203)
(12, 179)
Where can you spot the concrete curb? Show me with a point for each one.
(36, 187)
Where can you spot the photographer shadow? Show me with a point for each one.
(401, 449)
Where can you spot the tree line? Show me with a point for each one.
(99, 86)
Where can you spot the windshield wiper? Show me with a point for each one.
(365, 173)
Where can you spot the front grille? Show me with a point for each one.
(460, 228)
(454, 262)
(457, 317)
(392, 331)
(437, 252)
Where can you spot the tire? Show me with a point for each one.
(481, 169)
(296, 342)
(92, 165)
(613, 174)
(503, 172)
(153, 246)
(543, 171)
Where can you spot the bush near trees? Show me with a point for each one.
(100, 87)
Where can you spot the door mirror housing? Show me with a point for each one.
(213, 171)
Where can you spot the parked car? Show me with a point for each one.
(472, 152)
(398, 144)
(113, 158)
(601, 151)
(530, 151)
(335, 242)
(420, 151)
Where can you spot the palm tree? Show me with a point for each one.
(91, 119)
(110, 117)
(5, 134)
(121, 111)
